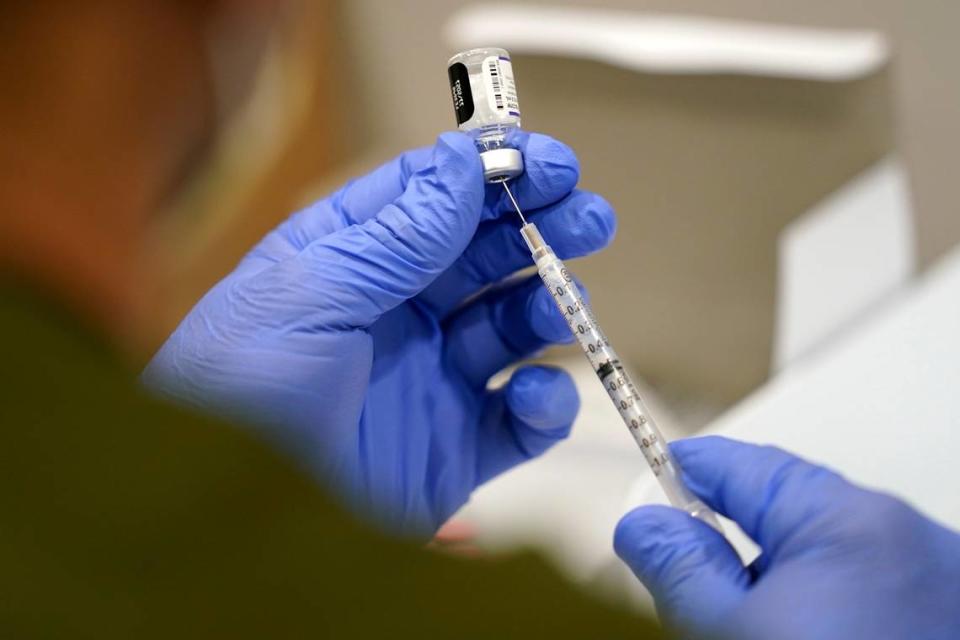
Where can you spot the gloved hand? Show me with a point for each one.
(838, 561)
(346, 332)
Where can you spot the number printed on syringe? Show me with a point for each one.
(605, 362)
(559, 282)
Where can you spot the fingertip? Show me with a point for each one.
(581, 224)
(597, 221)
(545, 319)
(451, 184)
(692, 453)
(625, 534)
(709, 459)
(554, 158)
(456, 142)
(655, 539)
(551, 171)
(693, 573)
(544, 398)
(455, 156)
(639, 528)
(605, 218)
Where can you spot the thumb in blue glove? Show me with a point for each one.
(361, 333)
(350, 278)
(837, 561)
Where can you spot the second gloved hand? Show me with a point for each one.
(838, 562)
(345, 331)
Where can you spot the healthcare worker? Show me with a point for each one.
(346, 356)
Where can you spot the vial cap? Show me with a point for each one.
(501, 164)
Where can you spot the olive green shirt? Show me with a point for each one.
(123, 517)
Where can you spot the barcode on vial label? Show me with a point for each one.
(500, 87)
(495, 81)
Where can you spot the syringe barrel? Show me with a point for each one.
(607, 365)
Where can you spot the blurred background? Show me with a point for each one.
(784, 174)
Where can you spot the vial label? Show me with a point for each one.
(500, 87)
(461, 92)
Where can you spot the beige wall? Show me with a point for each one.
(704, 174)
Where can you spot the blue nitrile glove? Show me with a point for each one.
(346, 330)
(838, 561)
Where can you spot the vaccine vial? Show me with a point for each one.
(485, 101)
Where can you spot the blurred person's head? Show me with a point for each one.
(106, 108)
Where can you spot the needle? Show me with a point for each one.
(513, 200)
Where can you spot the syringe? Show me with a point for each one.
(484, 94)
(583, 324)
